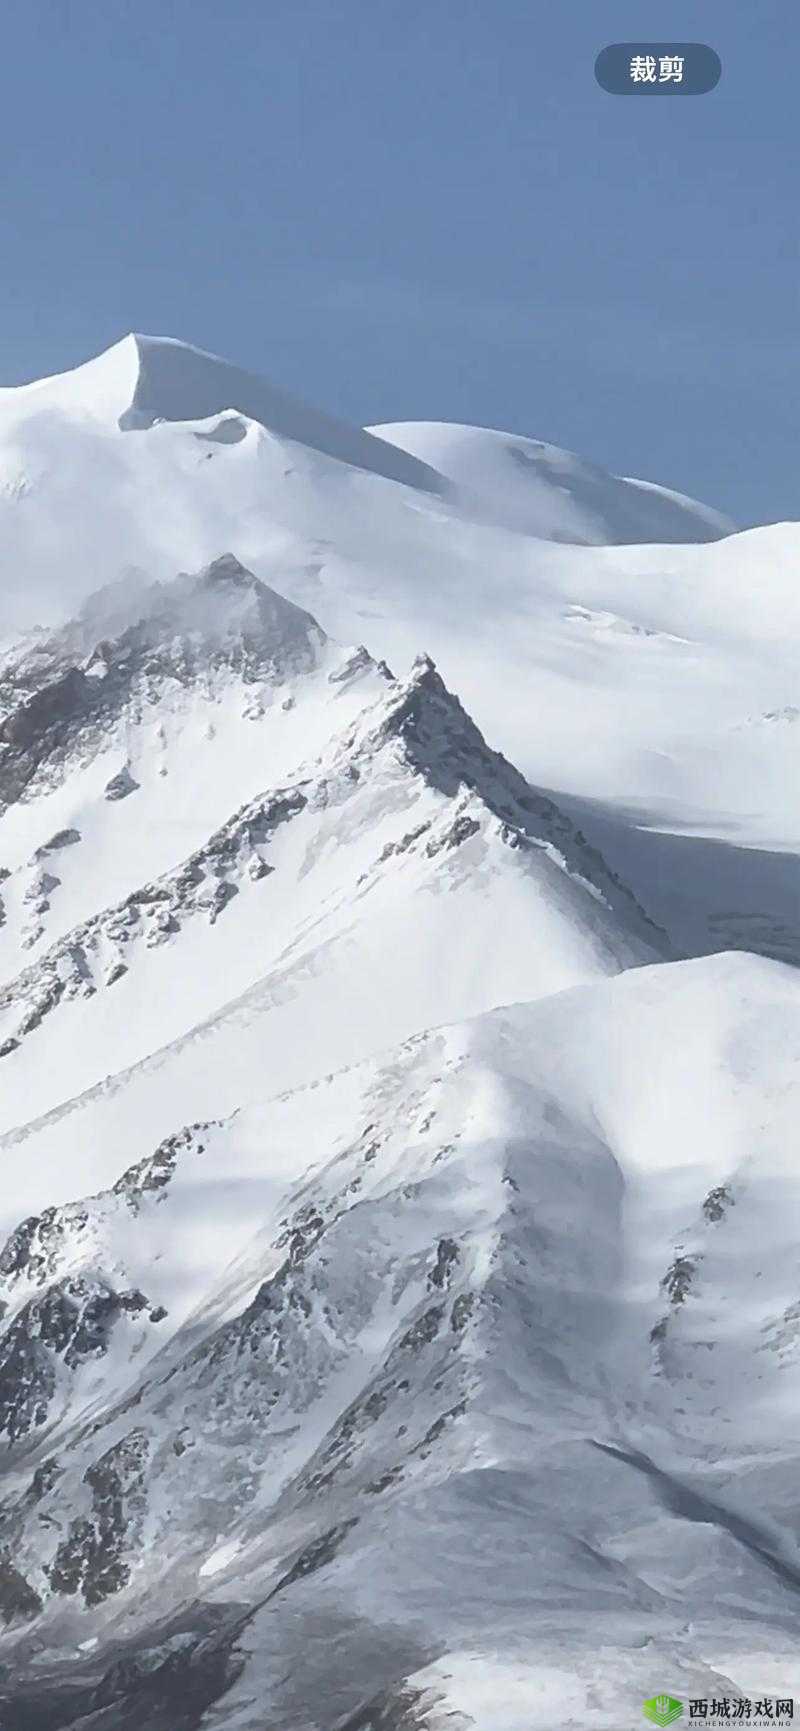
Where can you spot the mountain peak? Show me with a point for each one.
(142, 380)
(220, 599)
(66, 688)
(227, 569)
(539, 489)
(226, 599)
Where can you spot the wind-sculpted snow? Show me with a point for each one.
(176, 447)
(143, 381)
(538, 489)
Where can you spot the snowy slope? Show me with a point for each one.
(347, 881)
(541, 490)
(192, 696)
(475, 1307)
(656, 685)
(143, 380)
(662, 676)
(182, 455)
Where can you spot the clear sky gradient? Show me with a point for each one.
(406, 210)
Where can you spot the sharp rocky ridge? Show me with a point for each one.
(413, 744)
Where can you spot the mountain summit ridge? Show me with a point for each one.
(142, 380)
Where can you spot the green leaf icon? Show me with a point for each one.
(662, 1709)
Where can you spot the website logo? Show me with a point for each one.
(662, 1709)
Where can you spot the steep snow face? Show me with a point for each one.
(541, 490)
(143, 380)
(346, 882)
(429, 1362)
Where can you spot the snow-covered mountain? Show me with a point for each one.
(230, 448)
(541, 490)
(332, 833)
(398, 1276)
(414, 1387)
(142, 381)
(655, 685)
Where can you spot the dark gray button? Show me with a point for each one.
(658, 68)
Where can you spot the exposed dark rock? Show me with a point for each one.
(678, 1279)
(390, 1477)
(442, 743)
(70, 1321)
(461, 1312)
(434, 1430)
(303, 1232)
(31, 1246)
(18, 1601)
(164, 1681)
(62, 838)
(120, 785)
(315, 1555)
(205, 883)
(423, 1331)
(42, 886)
(43, 1480)
(91, 1558)
(362, 1413)
(154, 1173)
(357, 663)
(69, 1564)
(447, 1255)
(459, 831)
(407, 841)
(393, 1710)
(717, 1202)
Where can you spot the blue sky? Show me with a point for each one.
(429, 211)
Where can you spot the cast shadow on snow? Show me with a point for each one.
(174, 1674)
(707, 893)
